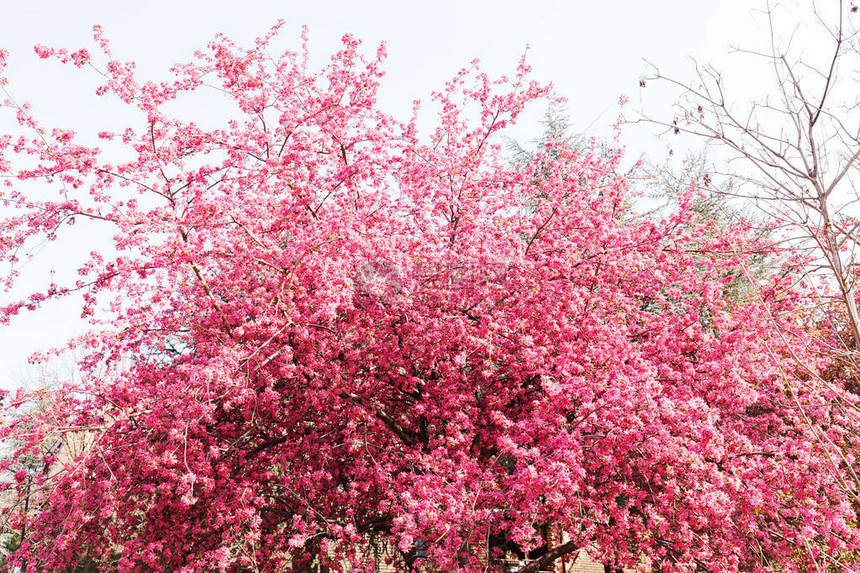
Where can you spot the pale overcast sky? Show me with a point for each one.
(592, 51)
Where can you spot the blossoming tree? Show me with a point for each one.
(320, 332)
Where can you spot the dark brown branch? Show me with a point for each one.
(550, 557)
(406, 436)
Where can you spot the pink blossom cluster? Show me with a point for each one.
(330, 331)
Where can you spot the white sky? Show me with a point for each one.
(592, 51)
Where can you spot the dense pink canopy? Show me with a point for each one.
(331, 334)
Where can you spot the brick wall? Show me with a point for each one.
(582, 564)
